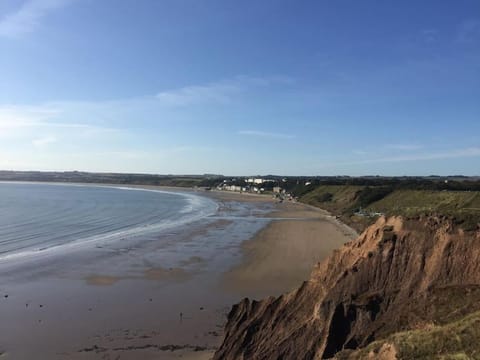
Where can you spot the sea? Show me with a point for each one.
(39, 217)
(84, 265)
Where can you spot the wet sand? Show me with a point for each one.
(281, 256)
(161, 299)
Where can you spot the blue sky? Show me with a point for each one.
(241, 87)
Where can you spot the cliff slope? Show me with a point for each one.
(400, 274)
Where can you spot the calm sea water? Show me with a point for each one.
(39, 217)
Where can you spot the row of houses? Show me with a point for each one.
(258, 185)
(238, 188)
(278, 192)
(258, 181)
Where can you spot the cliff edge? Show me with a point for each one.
(398, 275)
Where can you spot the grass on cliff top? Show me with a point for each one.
(412, 202)
(462, 205)
(339, 200)
(334, 198)
(344, 200)
(457, 340)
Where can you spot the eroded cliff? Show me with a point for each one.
(400, 274)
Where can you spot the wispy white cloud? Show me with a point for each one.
(359, 152)
(54, 137)
(469, 31)
(441, 155)
(28, 16)
(451, 154)
(44, 141)
(266, 134)
(22, 118)
(196, 94)
(429, 35)
(99, 117)
(157, 153)
(404, 147)
(217, 92)
(394, 148)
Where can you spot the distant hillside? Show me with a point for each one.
(354, 199)
(358, 205)
(109, 178)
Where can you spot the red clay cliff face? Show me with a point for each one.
(399, 274)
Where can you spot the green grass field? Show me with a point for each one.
(334, 198)
(345, 200)
(457, 340)
(412, 202)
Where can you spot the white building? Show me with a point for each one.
(258, 181)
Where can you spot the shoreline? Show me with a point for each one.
(74, 305)
(155, 292)
(31, 253)
(283, 253)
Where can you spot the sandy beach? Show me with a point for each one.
(146, 301)
(281, 256)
